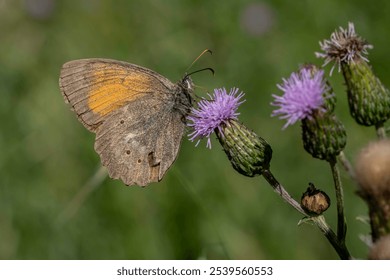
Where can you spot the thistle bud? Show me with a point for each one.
(315, 201)
(248, 153)
(369, 100)
(323, 135)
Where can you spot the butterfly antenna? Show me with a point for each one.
(200, 70)
(199, 56)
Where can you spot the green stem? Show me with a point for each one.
(380, 130)
(341, 223)
(340, 247)
(278, 188)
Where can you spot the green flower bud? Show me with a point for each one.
(248, 153)
(323, 135)
(369, 100)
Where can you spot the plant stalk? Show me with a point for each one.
(340, 247)
(341, 222)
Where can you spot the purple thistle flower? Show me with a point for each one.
(211, 114)
(304, 92)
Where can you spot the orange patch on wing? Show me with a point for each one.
(111, 89)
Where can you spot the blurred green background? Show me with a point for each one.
(56, 203)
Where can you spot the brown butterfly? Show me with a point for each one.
(137, 114)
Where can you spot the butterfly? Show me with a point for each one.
(138, 115)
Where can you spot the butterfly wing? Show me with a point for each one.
(97, 87)
(131, 110)
(138, 145)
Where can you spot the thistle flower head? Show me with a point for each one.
(304, 92)
(212, 114)
(344, 46)
(248, 153)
